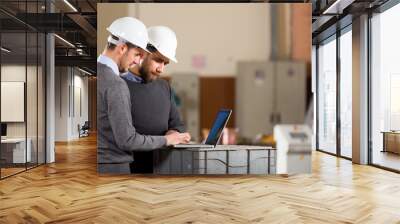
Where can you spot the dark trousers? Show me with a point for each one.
(143, 162)
(114, 168)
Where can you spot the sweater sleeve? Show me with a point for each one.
(119, 112)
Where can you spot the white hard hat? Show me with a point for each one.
(129, 29)
(164, 40)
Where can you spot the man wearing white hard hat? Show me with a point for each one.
(162, 44)
(116, 136)
(153, 109)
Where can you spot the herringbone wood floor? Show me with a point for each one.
(70, 191)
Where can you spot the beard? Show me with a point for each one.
(145, 74)
(122, 70)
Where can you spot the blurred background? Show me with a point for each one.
(252, 58)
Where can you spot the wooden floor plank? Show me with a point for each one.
(70, 191)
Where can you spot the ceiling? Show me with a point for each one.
(331, 15)
(23, 22)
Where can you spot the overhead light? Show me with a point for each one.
(80, 51)
(5, 50)
(86, 72)
(70, 5)
(65, 41)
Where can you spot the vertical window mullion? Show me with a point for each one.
(317, 97)
(26, 86)
(338, 78)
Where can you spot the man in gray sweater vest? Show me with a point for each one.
(116, 135)
(153, 109)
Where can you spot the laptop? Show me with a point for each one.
(215, 133)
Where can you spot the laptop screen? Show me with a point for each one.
(219, 125)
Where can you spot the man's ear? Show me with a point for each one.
(122, 48)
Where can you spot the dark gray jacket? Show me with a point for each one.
(116, 135)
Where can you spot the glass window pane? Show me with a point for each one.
(23, 85)
(13, 86)
(386, 89)
(346, 94)
(31, 96)
(327, 97)
(41, 98)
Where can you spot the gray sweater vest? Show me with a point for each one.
(153, 110)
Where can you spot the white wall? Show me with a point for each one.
(33, 126)
(218, 34)
(13, 100)
(80, 83)
(14, 73)
(61, 103)
(67, 80)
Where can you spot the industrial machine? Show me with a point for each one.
(293, 149)
(274, 92)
